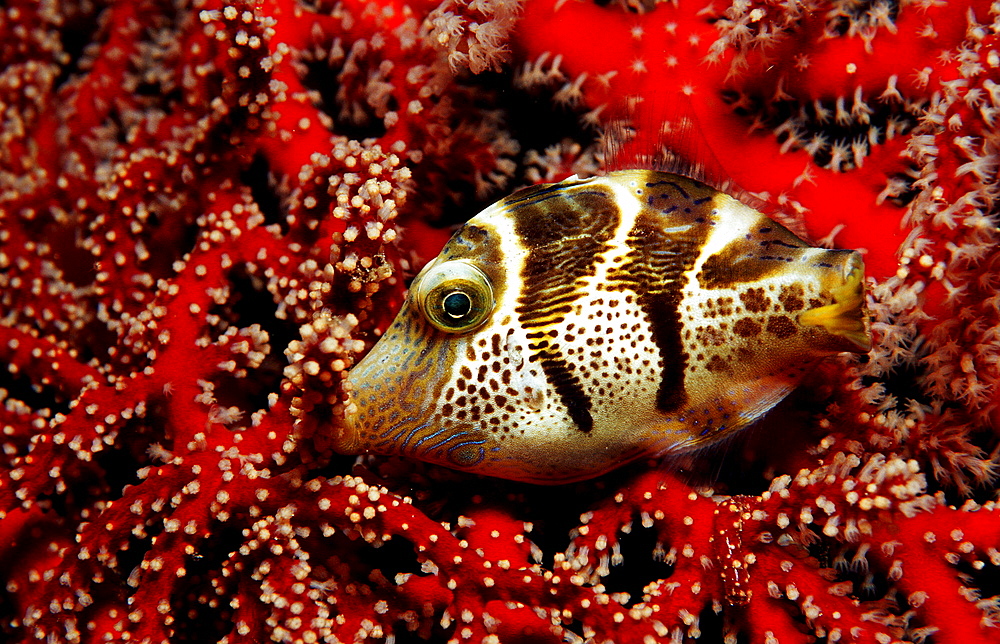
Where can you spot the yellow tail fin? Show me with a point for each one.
(847, 316)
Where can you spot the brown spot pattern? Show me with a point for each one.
(781, 326)
(791, 298)
(718, 365)
(710, 336)
(755, 300)
(746, 328)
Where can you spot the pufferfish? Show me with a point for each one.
(573, 327)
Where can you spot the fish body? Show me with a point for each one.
(572, 327)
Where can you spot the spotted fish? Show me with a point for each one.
(573, 327)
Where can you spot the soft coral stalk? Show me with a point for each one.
(208, 211)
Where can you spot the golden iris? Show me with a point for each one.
(455, 296)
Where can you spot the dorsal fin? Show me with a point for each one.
(657, 133)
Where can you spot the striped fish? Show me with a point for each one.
(573, 327)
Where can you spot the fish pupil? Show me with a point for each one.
(457, 304)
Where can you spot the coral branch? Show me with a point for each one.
(210, 209)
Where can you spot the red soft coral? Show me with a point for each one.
(208, 211)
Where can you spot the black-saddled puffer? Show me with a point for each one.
(573, 327)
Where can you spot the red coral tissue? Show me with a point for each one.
(209, 210)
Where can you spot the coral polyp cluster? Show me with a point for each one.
(209, 210)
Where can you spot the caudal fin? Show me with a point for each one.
(847, 316)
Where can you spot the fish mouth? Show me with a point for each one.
(846, 316)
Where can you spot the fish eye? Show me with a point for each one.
(454, 296)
